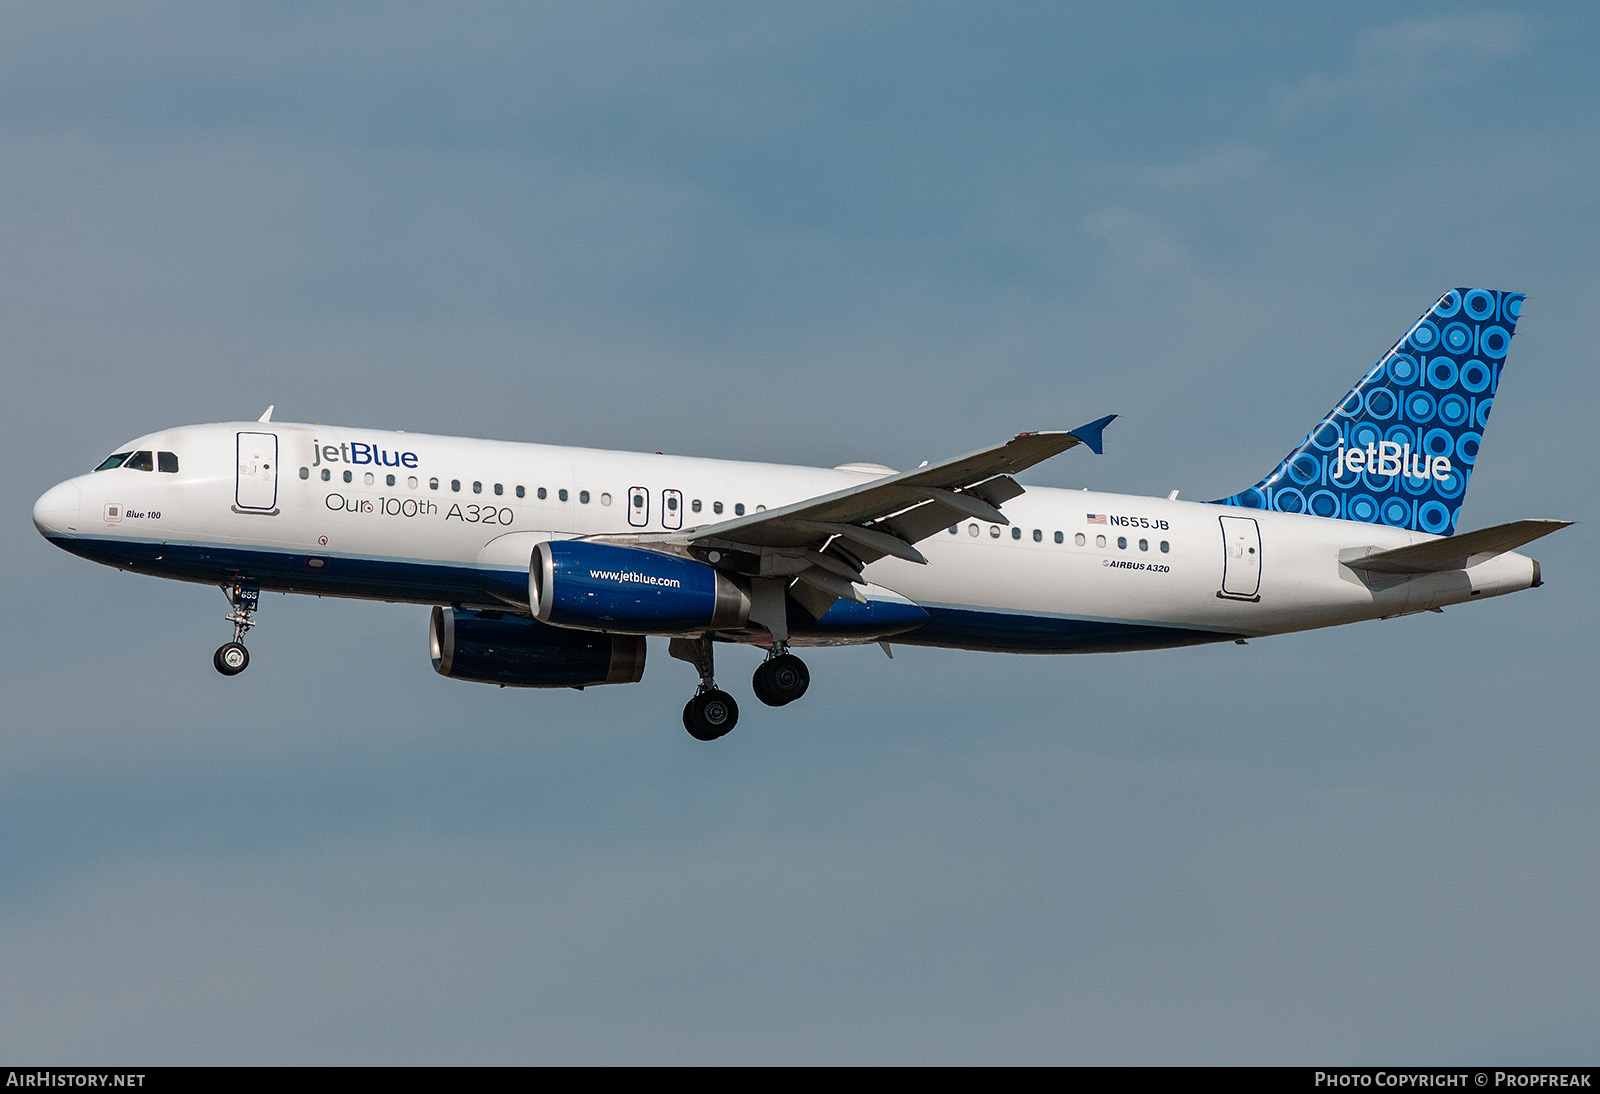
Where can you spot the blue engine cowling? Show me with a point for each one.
(515, 651)
(600, 586)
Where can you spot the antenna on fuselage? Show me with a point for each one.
(267, 416)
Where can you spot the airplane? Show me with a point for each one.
(550, 566)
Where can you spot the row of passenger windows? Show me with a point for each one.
(639, 501)
(499, 490)
(168, 463)
(142, 461)
(1060, 537)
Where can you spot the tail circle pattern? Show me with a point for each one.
(1399, 448)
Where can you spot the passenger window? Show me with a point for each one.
(115, 460)
(305, 472)
(388, 480)
(367, 478)
(326, 474)
(141, 461)
(1144, 545)
(1165, 546)
(562, 494)
(1099, 541)
(477, 488)
(498, 489)
(455, 484)
(1078, 539)
(1038, 536)
(738, 510)
(716, 507)
(994, 531)
(605, 499)
(168, 462)
(1016, 533)
(1122, 543)
(433, 484)
(543, 493)
(411, 482)
(583, 497)
(972, 529)
(522, 492)
(953, 528)
(695, 505)
(349, 476)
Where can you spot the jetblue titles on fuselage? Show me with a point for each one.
(360, 453)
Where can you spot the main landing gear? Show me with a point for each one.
(232, 658)
(780, 680)
(712, 712)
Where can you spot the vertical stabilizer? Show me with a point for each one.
(1400, 447)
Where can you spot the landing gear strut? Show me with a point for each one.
(232, 658)
(781, 678)
(712, 712)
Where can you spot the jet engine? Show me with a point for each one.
(515, 651)
(601, 586)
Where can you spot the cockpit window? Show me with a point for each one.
(141, 461)
(114, 460)
(168, 462)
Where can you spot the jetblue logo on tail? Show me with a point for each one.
(1389, 458)
(1399, 448)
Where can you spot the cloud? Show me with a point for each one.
(1136, 240)
(1224, 165)
(1408, 58)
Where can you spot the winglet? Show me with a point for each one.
(267, 417)
(1090, 434)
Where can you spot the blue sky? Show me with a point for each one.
(808, 234)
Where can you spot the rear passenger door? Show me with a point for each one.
(1241, 558)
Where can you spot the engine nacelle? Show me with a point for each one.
(515, 651)
(600, 586)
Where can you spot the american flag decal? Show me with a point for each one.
(1097, 518)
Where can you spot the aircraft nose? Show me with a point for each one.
(56, 511)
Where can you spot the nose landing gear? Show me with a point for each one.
(232, 658)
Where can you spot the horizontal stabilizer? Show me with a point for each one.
(1452, 552)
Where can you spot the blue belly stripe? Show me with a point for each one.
(413, 581)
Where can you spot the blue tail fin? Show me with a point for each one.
(1399, 448)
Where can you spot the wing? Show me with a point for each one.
(825, 541)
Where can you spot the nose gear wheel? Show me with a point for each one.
(232, 658)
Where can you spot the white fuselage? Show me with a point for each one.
(444, 520)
